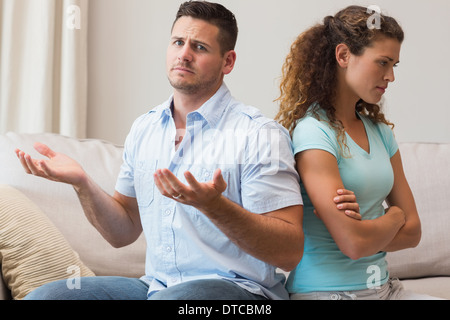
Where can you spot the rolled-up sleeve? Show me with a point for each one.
(125, 179)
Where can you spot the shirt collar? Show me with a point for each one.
(211, 110)
(163, 110)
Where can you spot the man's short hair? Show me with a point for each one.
(217, 15)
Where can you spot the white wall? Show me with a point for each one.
(128, 41)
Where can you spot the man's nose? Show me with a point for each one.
(185, 53)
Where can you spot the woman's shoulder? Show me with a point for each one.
(385, 133)
(314, 122)
(314, 132)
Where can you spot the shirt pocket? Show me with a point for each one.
(202, 174)
(144, 182)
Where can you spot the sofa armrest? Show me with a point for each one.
(5, 294)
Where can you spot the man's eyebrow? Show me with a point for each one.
(176, 38)
(193, 40)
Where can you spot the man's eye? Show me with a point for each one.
(200, 47)
(178, 43)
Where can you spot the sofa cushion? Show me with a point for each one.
(428, 172)
(32, 250)
(434, 286)
(59, 202)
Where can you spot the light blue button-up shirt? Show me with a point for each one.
(256, 159)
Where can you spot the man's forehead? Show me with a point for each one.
(194, 28)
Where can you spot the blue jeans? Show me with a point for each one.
(121, 288)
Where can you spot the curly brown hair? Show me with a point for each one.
(309, 74)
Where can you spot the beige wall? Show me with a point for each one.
(128, 40)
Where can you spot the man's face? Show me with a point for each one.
(194, 60)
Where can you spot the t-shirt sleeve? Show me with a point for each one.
(389, 140)
(311, 133)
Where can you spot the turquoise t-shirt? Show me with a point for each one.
(323, 266)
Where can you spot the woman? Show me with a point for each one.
(333, 79)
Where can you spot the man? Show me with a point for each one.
(226, 210)
(208, 231)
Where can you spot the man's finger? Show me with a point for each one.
(193, 183)
(32, 166)
(44, 150)
(46, 169)
(159, 185)
(171, 185)
(219, 181)
(21, 155)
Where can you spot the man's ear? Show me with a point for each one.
(342, 55)
(229, 61)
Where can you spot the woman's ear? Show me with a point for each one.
(342, 55)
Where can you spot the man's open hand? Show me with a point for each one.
(201, 195)
(58, 167)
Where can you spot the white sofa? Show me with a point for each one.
(424, 269)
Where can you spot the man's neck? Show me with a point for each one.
(184, 103)
(192, 101)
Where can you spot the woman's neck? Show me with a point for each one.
(345, 104)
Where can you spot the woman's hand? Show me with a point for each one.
(346, 202)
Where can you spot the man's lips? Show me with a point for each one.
(182, 69)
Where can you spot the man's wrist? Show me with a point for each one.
(81, 184)
(214, 206)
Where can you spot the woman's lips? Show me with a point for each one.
(382, 89)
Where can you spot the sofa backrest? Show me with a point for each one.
(427, 169)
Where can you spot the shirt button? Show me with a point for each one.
(167, 212)
(168, 249)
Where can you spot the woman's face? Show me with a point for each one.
(368, 75)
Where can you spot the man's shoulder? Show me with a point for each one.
(242, 112)
(153, 114)
(146, 123)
